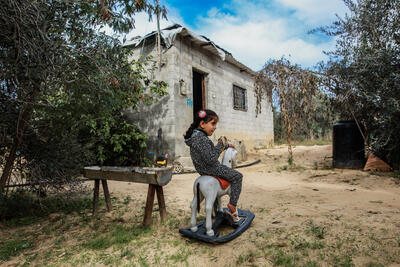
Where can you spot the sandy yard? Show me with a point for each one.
(310, 216)
(313, 196)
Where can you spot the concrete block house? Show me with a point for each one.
(200, 74)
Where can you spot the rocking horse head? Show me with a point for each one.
(229, 158)
(209, 188)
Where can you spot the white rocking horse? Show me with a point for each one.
(209, 187)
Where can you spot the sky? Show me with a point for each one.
(255, 31)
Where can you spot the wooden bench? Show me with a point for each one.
(156, 178)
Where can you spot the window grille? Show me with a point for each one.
(239, 98)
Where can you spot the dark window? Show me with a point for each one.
(239, 98)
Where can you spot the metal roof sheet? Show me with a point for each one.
(169, 34)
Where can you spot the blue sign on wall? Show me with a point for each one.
(189, 102)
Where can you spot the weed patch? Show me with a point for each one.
(119, 235)
(282, 168)
(343, 261)
(13, 247)
(182, 255)
(21, 208)
(283, 259)
(246, 258)
(317, 231)
(311, 264)
(98, 243)
(123, 235)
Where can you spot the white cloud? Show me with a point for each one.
(143, 26)
(255, 39)
(255, 32)
(255, 43)
(315, 12)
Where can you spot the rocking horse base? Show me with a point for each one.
(222, 218)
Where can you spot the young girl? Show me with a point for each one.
(205, 155)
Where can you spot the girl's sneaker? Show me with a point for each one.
(233, 213)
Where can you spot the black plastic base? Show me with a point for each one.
(348, 164)
(246, 217)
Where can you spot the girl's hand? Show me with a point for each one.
(228, 146)
(223, 140)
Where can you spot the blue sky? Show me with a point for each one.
(255, 31)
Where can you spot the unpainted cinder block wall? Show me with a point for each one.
(167, 120)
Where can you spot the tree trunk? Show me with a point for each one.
(26, 114)
(289, 130)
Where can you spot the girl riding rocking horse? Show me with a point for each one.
(205, 155)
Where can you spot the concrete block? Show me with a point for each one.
(241, 149)
(184, 162)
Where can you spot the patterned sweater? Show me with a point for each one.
(204, 154)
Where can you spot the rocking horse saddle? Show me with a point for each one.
(224, 183)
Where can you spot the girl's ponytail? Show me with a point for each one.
(189, 131)
(205, 115)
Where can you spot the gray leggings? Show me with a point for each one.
(234, 177)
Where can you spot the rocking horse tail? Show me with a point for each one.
(198, 197)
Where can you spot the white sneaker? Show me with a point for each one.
(232, 211)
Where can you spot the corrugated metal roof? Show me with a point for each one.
(168, 36)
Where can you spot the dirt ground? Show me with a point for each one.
(311, 215)
(312, 196)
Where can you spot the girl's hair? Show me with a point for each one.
(205, 115)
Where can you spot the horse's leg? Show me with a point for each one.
(220, 194)
(193, 206)
(216, 205)
(209, 207)
(219, 203)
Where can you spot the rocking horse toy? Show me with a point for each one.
(212, 189)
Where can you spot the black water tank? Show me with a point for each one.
(348, 146)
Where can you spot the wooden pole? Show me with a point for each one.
(106, 194)
(149, 205)
(161, 202)
(158, 35)
(96, 195)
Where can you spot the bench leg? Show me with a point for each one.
(161, 202)
(96, 195)
(106, 194)
(149, 205)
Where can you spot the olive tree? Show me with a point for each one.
(363, 72)
(63, 84)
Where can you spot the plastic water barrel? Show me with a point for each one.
(348, 146)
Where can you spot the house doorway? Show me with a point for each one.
(198, 92)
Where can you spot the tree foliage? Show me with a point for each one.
(363, 72)
(318, 125)
(63, 85)
(295, 89)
